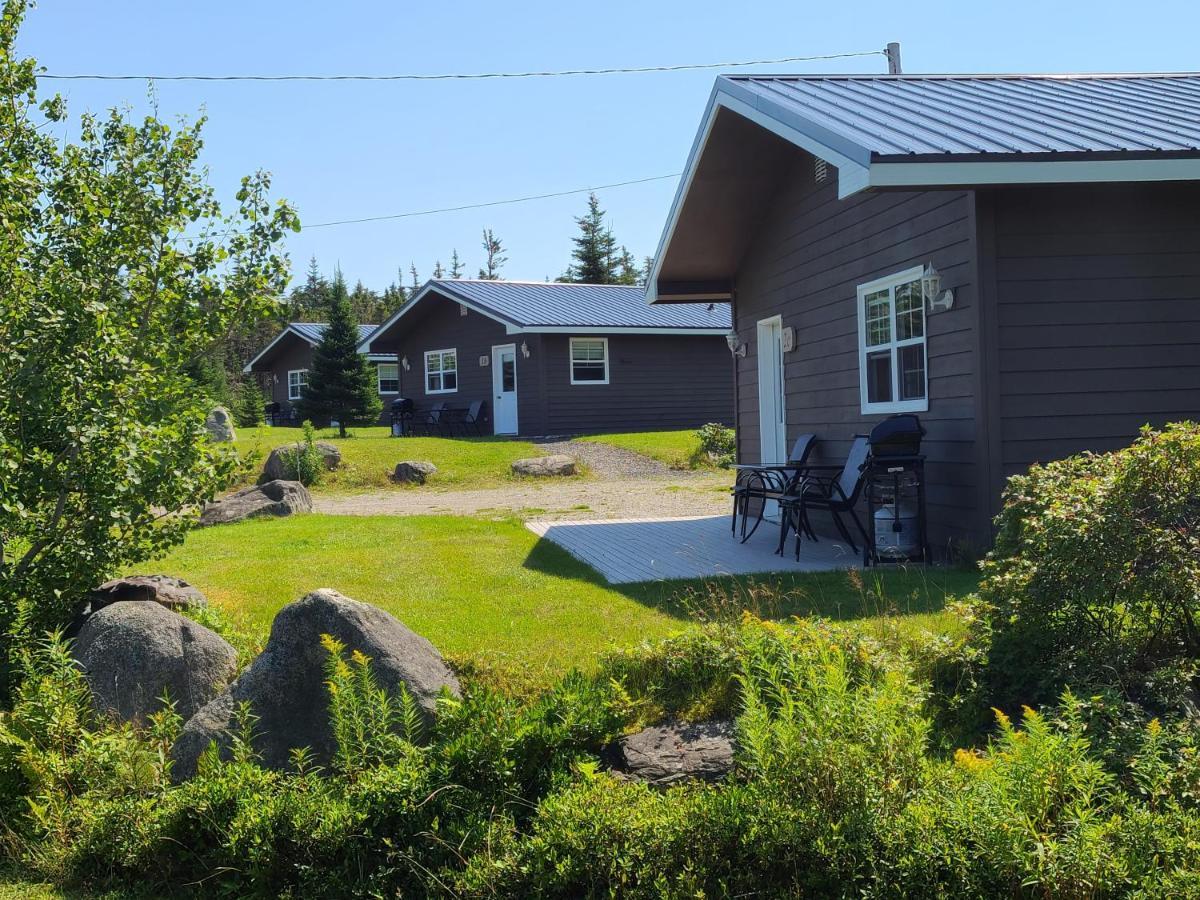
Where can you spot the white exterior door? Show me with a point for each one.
(772, 405)
(504, 389)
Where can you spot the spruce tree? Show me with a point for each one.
(341, 385)
(248, 403)
(494, 252)
(456, 266)
(595, 253)
(416, 281)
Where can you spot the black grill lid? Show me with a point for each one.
(898, 435)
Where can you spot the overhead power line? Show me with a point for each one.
(461, 76)
(449, 209)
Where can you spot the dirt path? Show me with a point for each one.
(674, 494)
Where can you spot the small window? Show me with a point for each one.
(441, 372)
(891, 337)
(589, 360)
(297, 382)
(389, 378)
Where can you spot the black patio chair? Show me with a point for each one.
(474, 417)
(766, 483)
(433, 420)
(832, 488)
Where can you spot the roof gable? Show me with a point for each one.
(309, 332)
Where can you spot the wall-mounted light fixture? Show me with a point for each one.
(524, 349)
(404, 363)
(736, 347)
(936, 300)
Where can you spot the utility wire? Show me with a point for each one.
(448, 209)
(460, 76)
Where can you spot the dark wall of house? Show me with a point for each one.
(1097, 307)
(811, 252)
(654, 382)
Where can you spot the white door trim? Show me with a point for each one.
(772, 392)
(497, 372)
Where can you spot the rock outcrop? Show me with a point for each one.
(413, 471)
(275, 498)
(285, 686)
(545, 466)
(663, 755)
(219, 425)
(171, 592)
(277, 468)
(131, 652)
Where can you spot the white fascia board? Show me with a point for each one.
(249, 367)
(429, 288)
(925, 174)
(851, 161)
(598, 329)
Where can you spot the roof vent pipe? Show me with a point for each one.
(892, 52)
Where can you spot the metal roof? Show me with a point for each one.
(528, 304)
(312, 331)
(906, 115)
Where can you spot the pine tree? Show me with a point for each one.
(595, 253)
(309, 300)
(494, 252)
(341, 385)
(438, 271)
(456, 266)
(248, 402)
(416, 281)
(626, 270)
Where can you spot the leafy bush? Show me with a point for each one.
(718, 444)
(1094, 581)
(304, 463)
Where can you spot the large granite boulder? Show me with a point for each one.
(171, 592)
(285, 685)
(131, 652)
(277, 467)
(663, 755)
(543, 466)
(413, 471)
(219, 425)
(275, 498)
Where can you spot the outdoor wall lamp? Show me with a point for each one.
(404, 364)
(935, 298)
(736, 347)
(524, 349)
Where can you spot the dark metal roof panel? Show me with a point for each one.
(1001, 114)
(312, 331)
(548, 305)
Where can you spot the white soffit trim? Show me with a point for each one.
(601, 329)
(924, 174)
(249, 367)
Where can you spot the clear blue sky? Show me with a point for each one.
(356, 149)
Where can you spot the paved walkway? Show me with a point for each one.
(631, 550)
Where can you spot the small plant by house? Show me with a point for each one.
(303, 461)
(718, 444)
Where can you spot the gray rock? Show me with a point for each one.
(276, 467)
(131, 652)
(171, 592)
(285, 686)
(542, 466)
(219, 425)
(413, 471)
(275, 498)
(667, 754)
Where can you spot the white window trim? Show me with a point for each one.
(891, 406)
(299, 386)
(379, 379)
(571, 359)
(443, 390)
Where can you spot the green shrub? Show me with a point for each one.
(304, 463)
(1094, 581)
(718, 444)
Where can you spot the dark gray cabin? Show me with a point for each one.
(550, 359)
(282, 366)
(1062, 213)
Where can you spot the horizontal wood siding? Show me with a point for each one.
(655, 382)
(811, 252)
(1098, 311)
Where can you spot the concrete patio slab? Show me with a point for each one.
(625, 551)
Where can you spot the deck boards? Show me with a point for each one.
(626, 551)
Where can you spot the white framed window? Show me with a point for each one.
(892, 361)
(388, 378)
(589, 360)
(441, 371)
(297, 382)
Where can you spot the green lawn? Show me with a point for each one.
(369, 455)
(492, 592)
(678, 449)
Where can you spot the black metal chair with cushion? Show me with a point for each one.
(764, 483)
(832, 488)
(474, 417)
(434, 419)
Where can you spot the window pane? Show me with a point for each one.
(450, 380)
(910, 311)
(587, 371)
(449, 361)
(879, 377)
(433, 363)
(877, 307)
(508, 376)
(389, 379)
(433, 382)
(912, 372)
